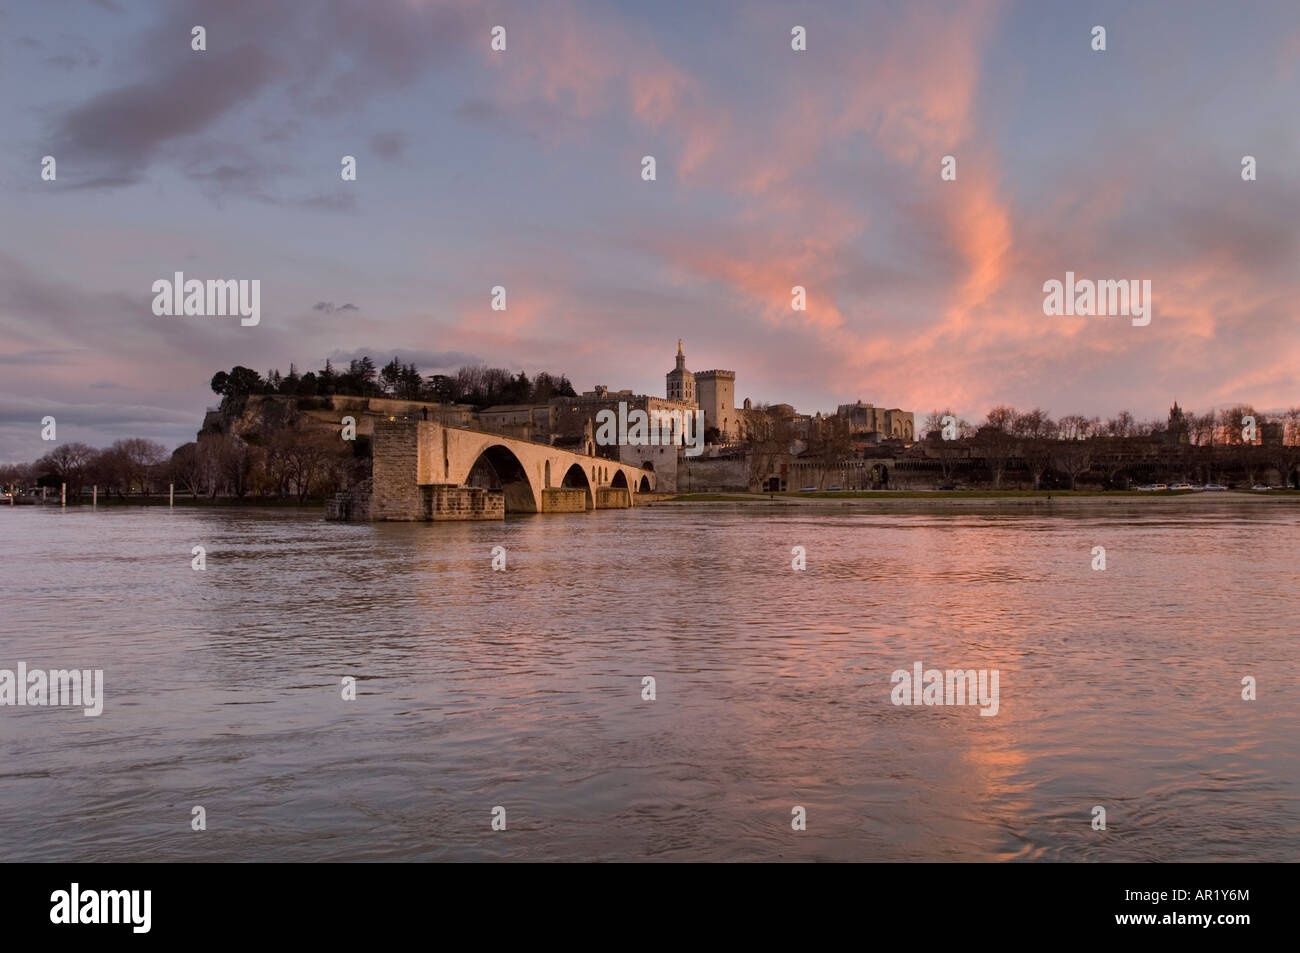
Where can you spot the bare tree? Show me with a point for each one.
(1231, 425)
(1001, 417)
(111, 471)
(1034, 431)
(69, 463)
(186, 468)
(308, 459)
(228, 463)
(1291, 426)
(139, 457)
(830, 443)
(1285, 457)
(17, 476)
(934, 424)
(950, 454)
(1074, 427)
(1121, 425)
(769, 434)
(1146, 428)
(1202, 429)
(278, 467)
(1073, 458)
(995, 442)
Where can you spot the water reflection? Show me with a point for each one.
(523, 688)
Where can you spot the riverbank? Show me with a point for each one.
(156, 501)
(903, 499)
(868, 499)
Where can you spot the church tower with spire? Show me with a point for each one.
(681, 382)
(1179, 428)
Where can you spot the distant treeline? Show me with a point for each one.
(123, 468)
(1213, 428)
(478, 385)
(288, 463)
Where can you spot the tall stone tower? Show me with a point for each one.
(1179, 429)
(681, 382)
(716, 394)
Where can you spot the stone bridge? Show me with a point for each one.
(425, 470)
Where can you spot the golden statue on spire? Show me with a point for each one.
(679, 345)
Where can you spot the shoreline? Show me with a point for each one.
(878, 500)
(1013, 498)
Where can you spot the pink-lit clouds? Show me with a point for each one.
(775, 169)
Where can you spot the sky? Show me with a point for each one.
(774, 168)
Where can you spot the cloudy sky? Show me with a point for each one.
(775, 168)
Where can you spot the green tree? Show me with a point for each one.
(390, 377)
(517, 389)
(441, 388)
(240, 382)
(327, 379)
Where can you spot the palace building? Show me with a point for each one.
(713, 392)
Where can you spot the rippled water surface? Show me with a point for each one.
(522, 688)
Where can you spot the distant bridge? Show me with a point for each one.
(425, 470)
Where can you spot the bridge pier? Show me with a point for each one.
(463, 503)
(613, 498)
(565, 500)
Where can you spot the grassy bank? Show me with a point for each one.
(988, 496)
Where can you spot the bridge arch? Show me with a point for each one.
(645, 485)
(497, 468)
(413, 459)
(576, 477)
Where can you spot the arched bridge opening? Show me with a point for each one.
(576, 478)
(498, 469)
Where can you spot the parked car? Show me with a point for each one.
(807, 489)
(1146, 488)
(1215, 486)
(1161, 486)
(1257, 486)
(836, 487)
(1181, 486)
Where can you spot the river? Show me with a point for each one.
(523, 688)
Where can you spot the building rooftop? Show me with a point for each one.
(515, 408)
